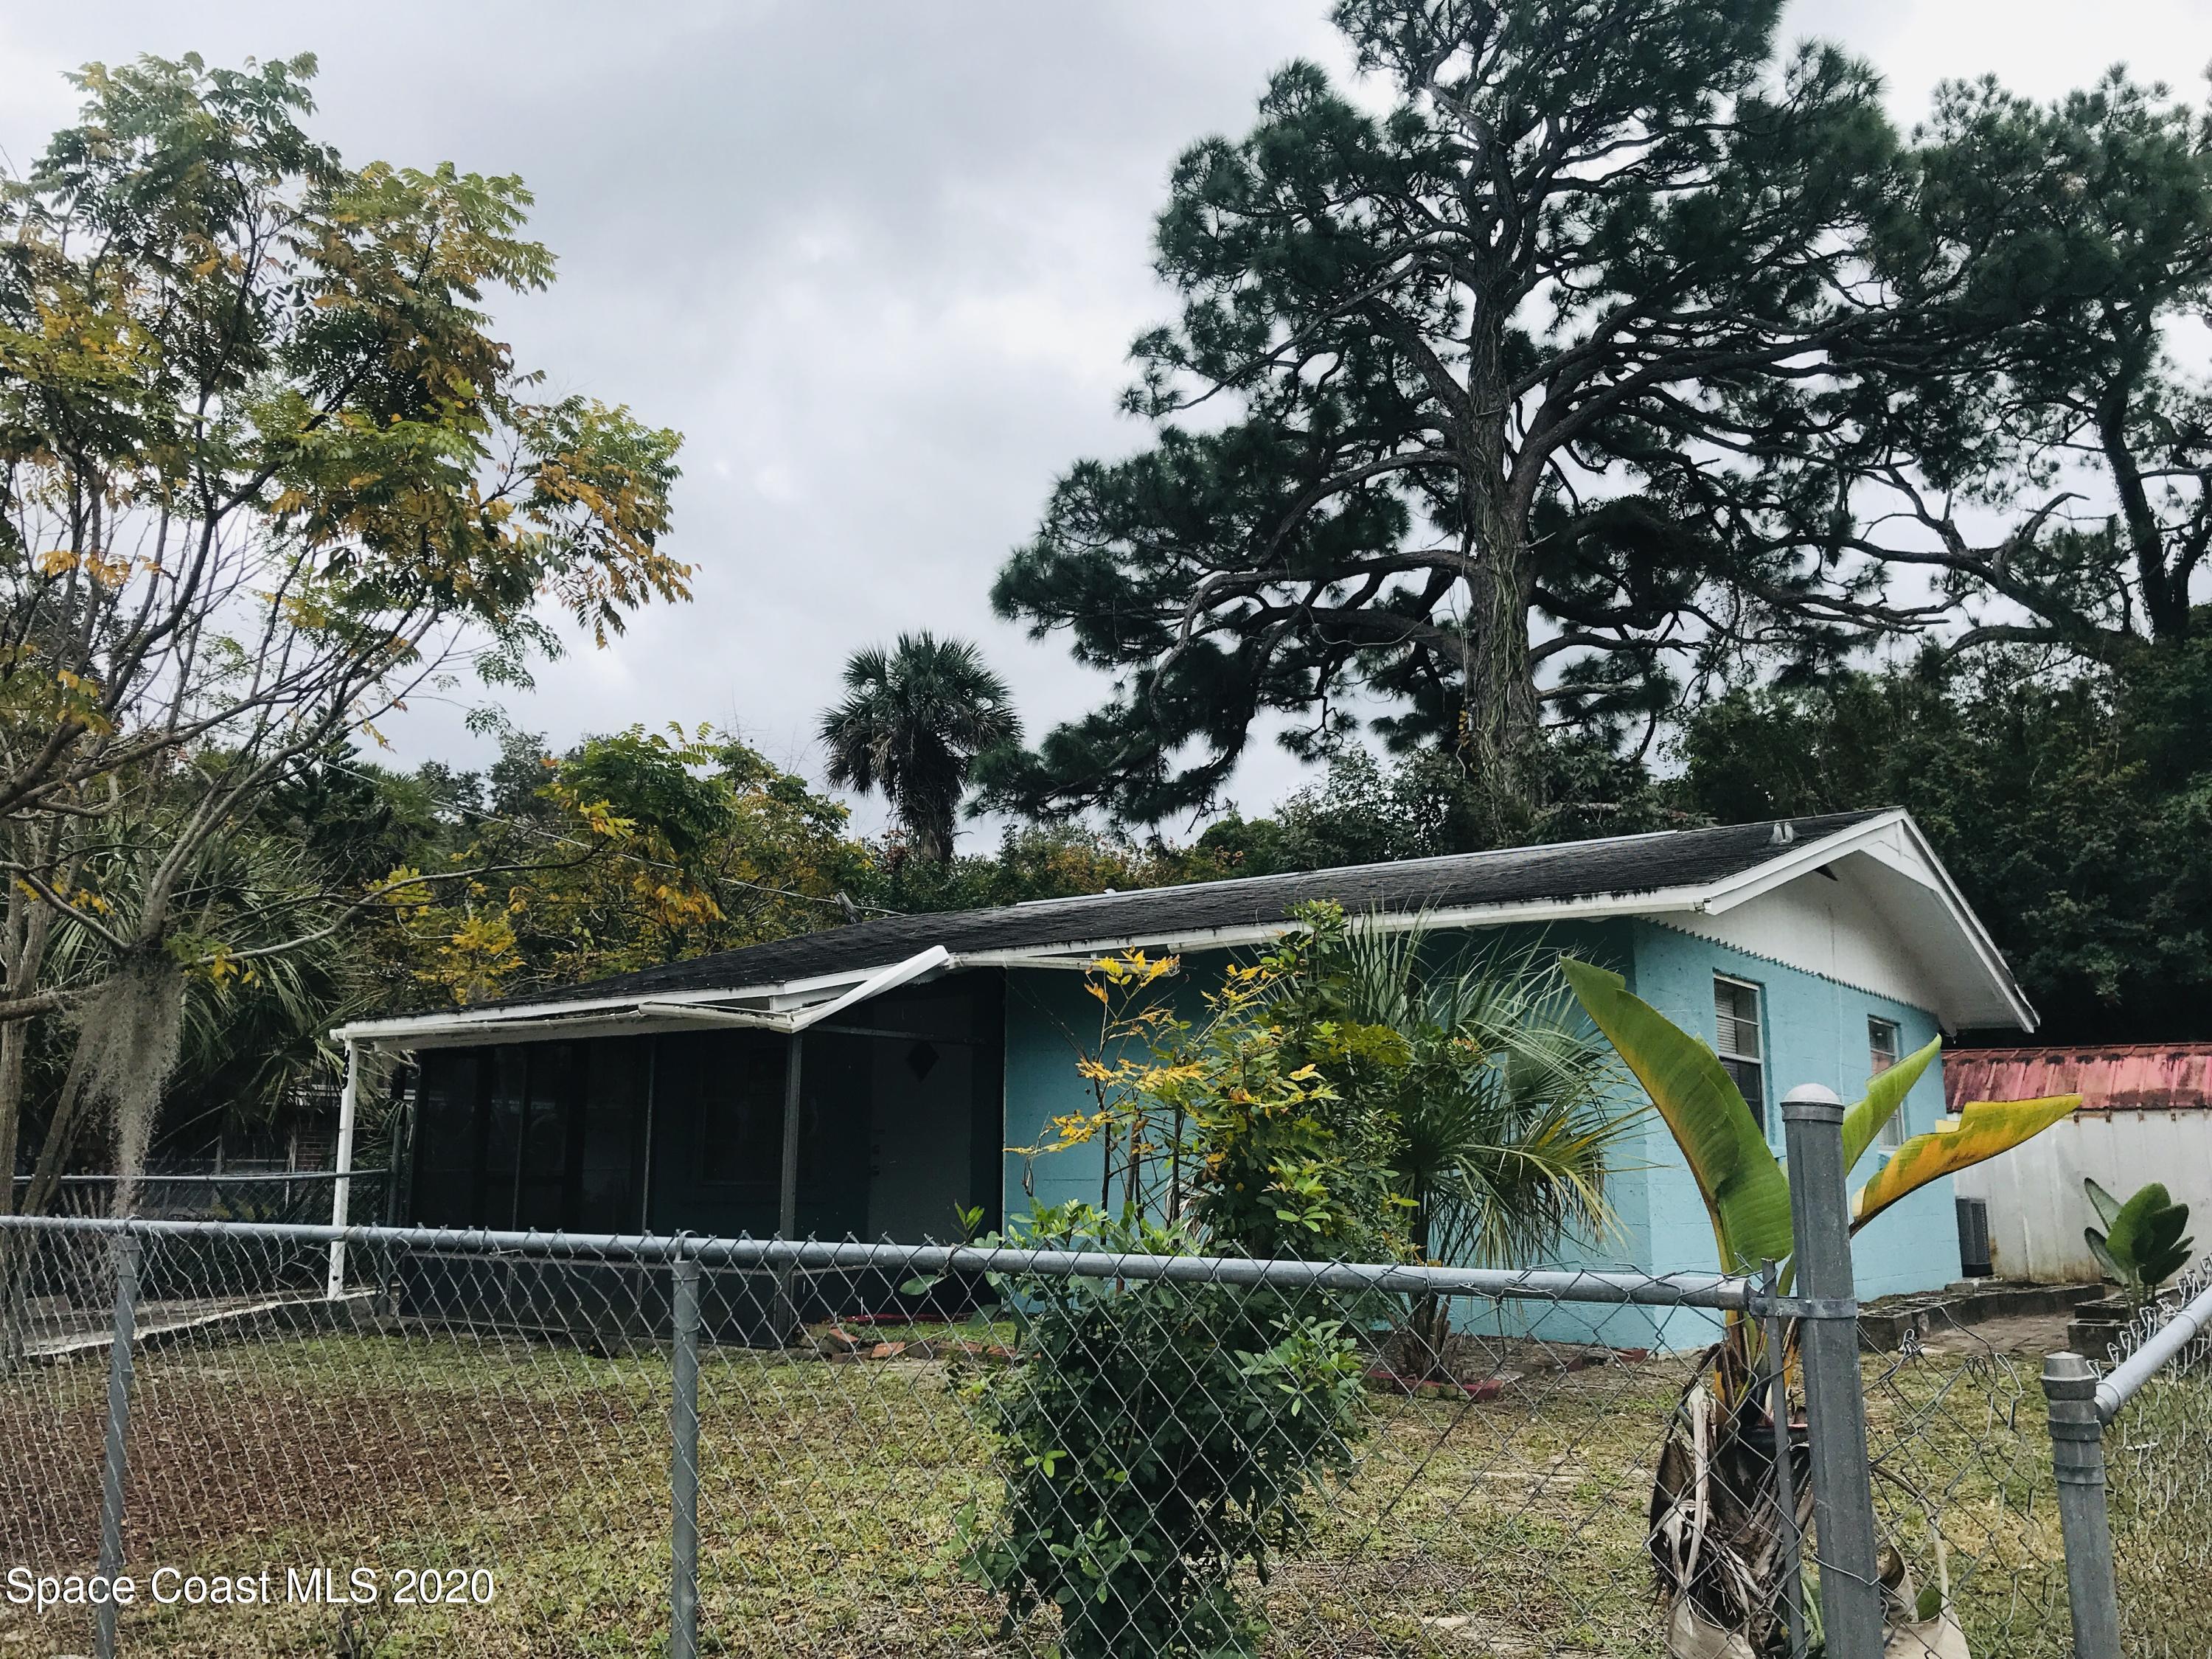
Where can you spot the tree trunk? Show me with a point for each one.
(1499, 723)
(1498, 730)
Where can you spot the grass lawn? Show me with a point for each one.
(832, 1497)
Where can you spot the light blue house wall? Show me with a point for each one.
(1815, 1032)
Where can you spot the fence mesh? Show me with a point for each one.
(469, 1452)
(2158, 1453)
(488, 1435)
(1965, 1503)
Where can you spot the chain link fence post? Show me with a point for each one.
(2077, 1456)
(1835, 1402)
(116, 1467)
(684, 1467)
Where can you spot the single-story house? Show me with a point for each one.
(870, 1079)
(2146, 1116)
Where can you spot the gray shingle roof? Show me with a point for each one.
(1567, 870)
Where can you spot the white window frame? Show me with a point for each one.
(1759, 1024)
(1892, 1134)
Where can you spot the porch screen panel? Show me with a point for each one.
(503, 1136)
(545, 1134)
(613, 1140)
(446, 1138)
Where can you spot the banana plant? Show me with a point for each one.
(2141, 1245)
(1717, 1529)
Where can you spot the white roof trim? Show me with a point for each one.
(793, 1005)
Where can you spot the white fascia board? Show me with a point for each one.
(601, 1016)
(1667, 902)
(1985, 947)
(1798, 859)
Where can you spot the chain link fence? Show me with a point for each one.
(1959, 1446)
(2158, 1454)
(486, 1429)
(507, 1446)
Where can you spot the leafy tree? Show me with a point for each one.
(263, 470)
(2073, 809)
(913, 722)
(1489, 406)
(636, 847)
(1036, 861)
(2050, 478)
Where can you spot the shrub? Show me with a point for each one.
(1156, 1435)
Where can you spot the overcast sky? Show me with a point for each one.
(879, 261)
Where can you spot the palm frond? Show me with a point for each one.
(1510, 1120)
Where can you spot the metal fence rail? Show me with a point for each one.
(2133, 1450)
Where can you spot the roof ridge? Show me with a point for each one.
(1428, 860)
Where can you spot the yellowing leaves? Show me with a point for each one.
(1981, 1130)
(106, 571)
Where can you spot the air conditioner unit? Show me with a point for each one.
(1974, 1238)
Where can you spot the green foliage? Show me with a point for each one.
(1420, 407)
(2141, 1245)
(1746, 1191)
(636, 847)
(1163, 1434)
(1158, 1436)
(2067, 415)
(1035, 861)
(2071, 807)
(1362, 812)
(1285, 1098)
(913, 722)
(1507, 1112)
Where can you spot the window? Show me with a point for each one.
(1881, 1055)
(1741, 1045)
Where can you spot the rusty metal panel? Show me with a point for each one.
(2146, 1076)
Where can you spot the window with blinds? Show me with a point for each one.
(1741, 1040)
(1881, 1055)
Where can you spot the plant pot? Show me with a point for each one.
(2093, 1327)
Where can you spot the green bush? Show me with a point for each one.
(1157, 1434)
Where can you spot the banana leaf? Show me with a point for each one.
(1884, 1095)
(1746, 1196)
(2107, 1207)
(1982, 1129)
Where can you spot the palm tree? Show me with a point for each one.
(912, 721)
(1509, 1113)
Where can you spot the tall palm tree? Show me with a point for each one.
(912, 721)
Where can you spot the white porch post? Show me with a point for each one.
(340, 1191)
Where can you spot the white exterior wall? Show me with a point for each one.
(1834, 928)
(2038, 1210)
